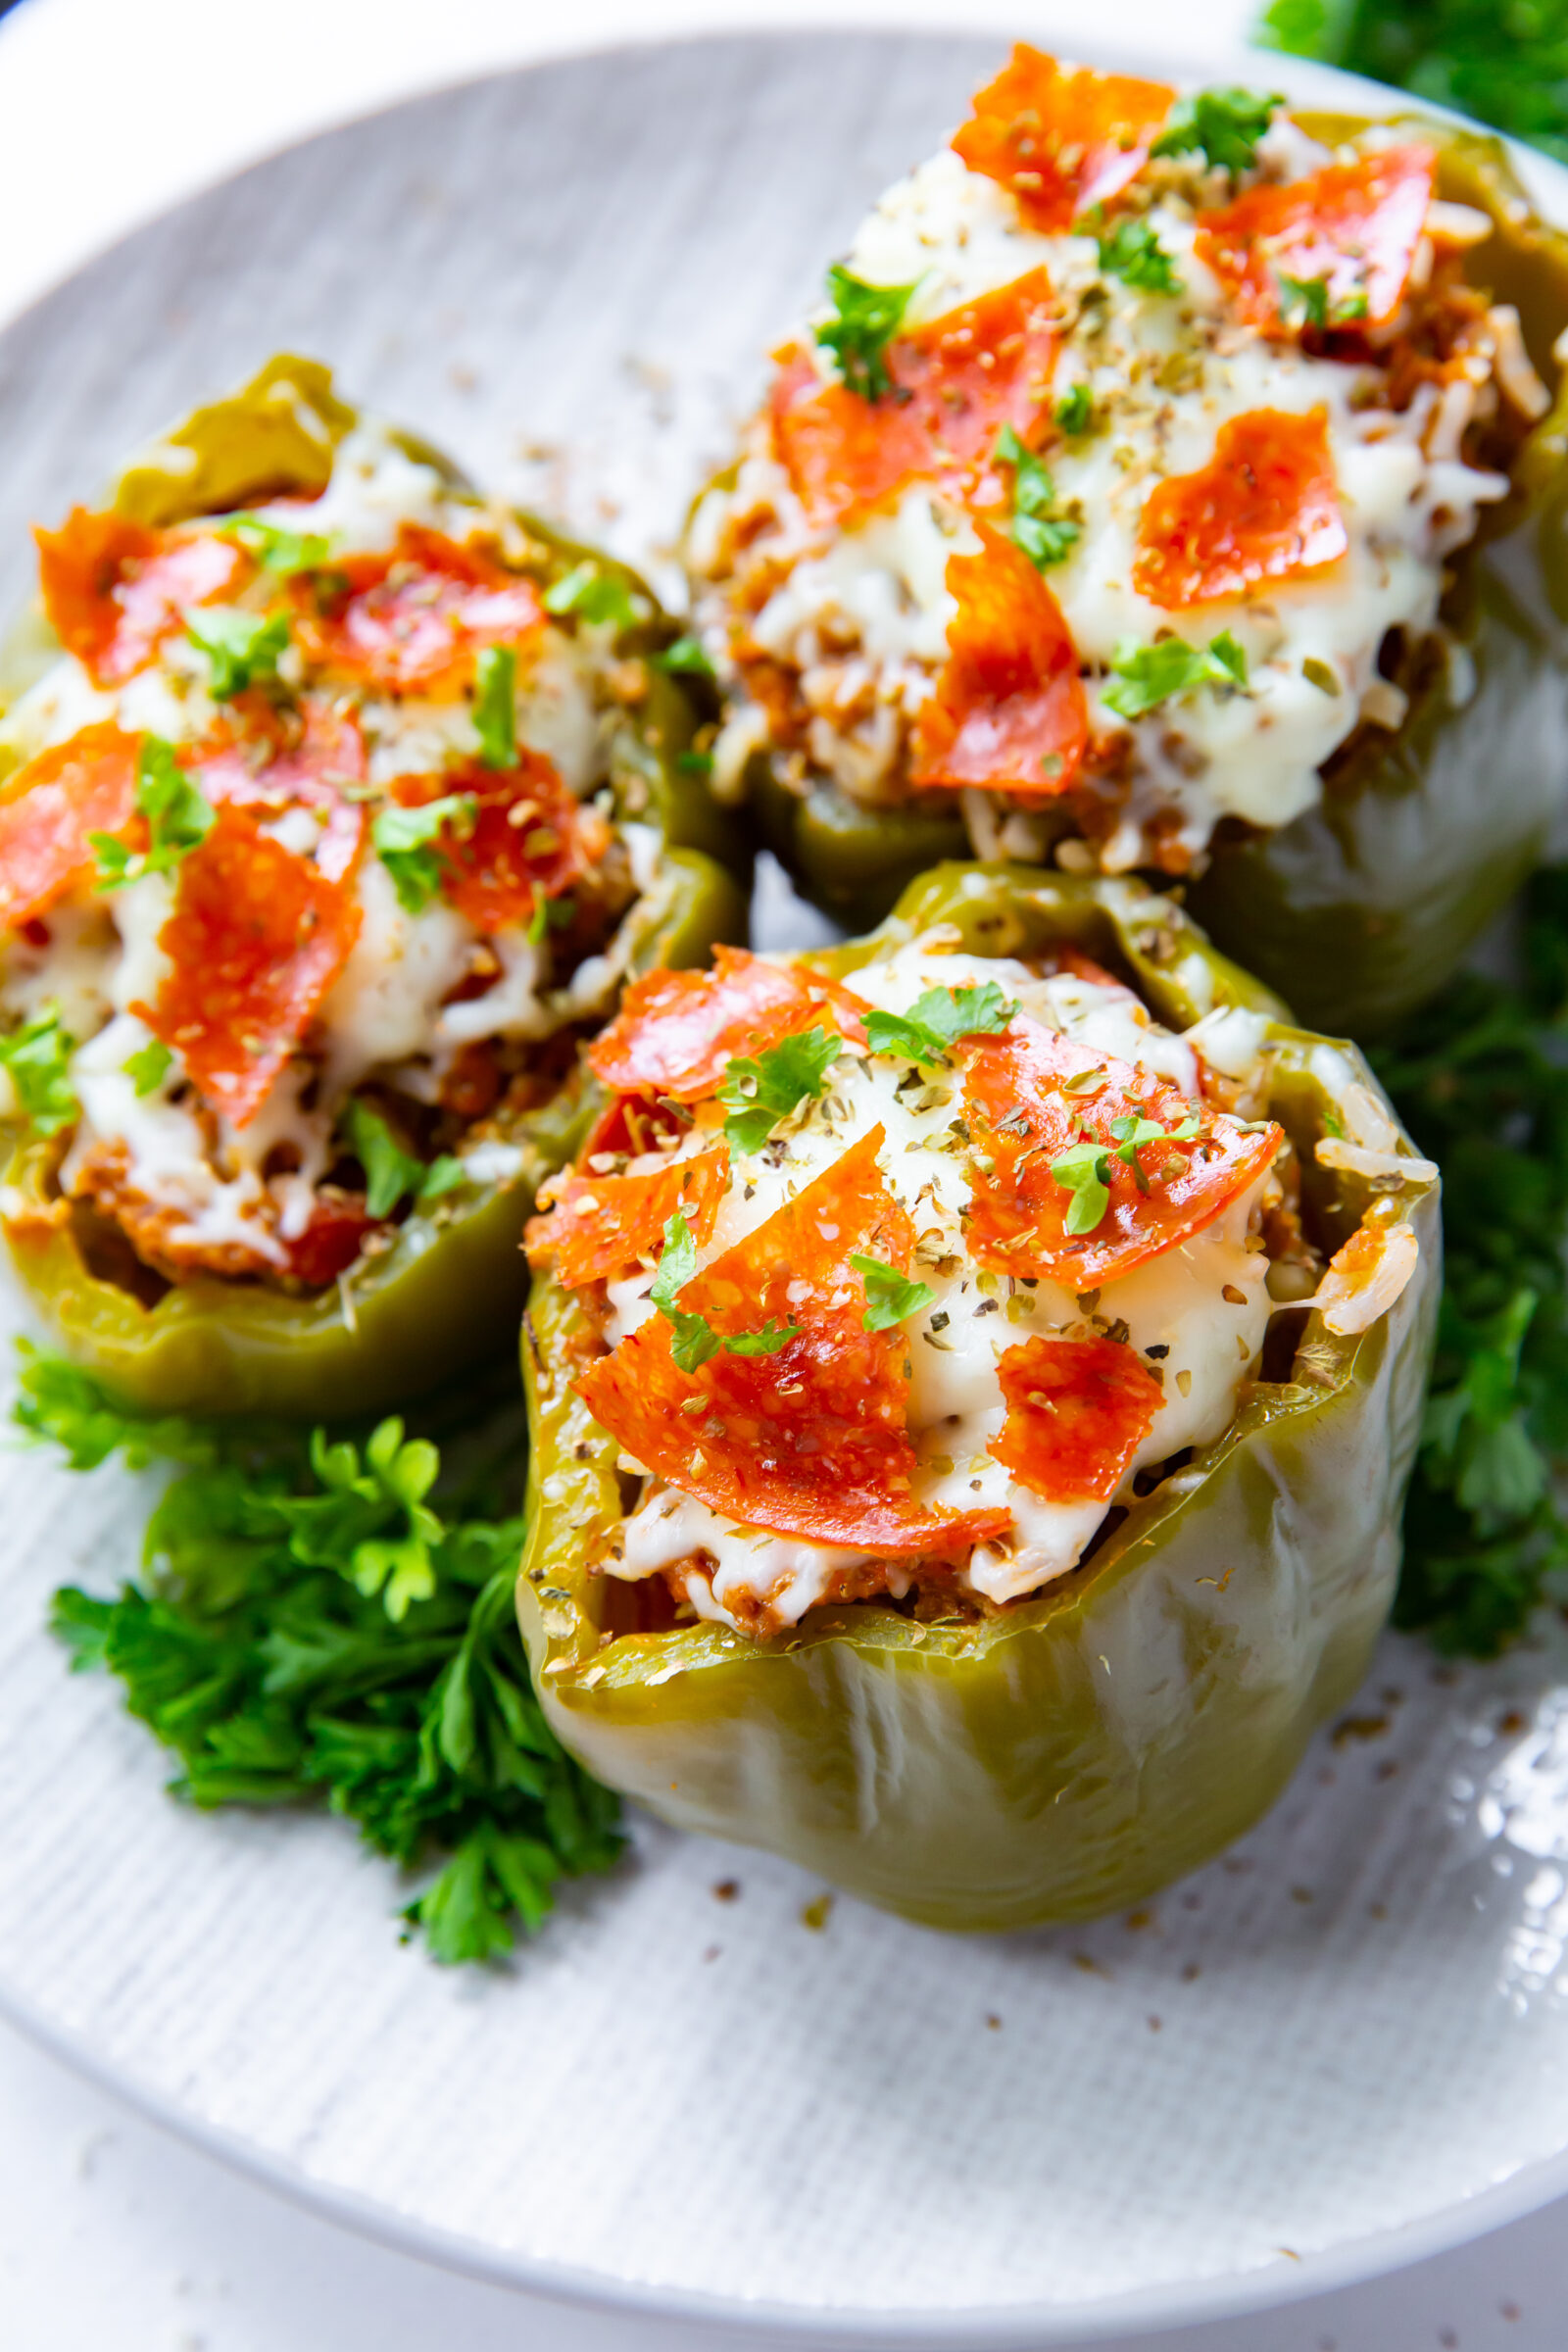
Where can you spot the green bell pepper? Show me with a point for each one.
(1081, 1747)
(1360, 908)
(452, 1287)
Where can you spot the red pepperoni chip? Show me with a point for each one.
(1062, 137)
(115, 589)
(415, 619)
(1354, 226)
(1008, 713)
(1266, 507)
(50, 808)
(599, 1225)
(677, 1032)
(531, 838)
(1077, 1412)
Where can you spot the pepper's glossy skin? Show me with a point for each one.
(1360, 909)
(451, 1288)
(1082, 1748)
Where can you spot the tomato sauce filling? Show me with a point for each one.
(1264, 508)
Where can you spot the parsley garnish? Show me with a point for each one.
(274, 547)
(260, 1645)
(240, 647)
(179, 819)
(695, 763)
(1134, 253)
(1225, 126)
(149, 1065)
(696, 1339)
(1074, 412)
(390, 1172)
(38, 1059)
(866, 319)
(404, 840)
(1083, 1168)
(1044, 536)
(758, 1093)
(1304, 301)
(890, 1296)
(687, 657)
(594, 595)
(495, 706)
(937, 1020)
(1146, 675)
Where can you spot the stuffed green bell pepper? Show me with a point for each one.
(1173, 485)
(337, 805)
(974, 1375)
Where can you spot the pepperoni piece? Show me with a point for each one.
(1009, 711)
(414, 618)
(1077, 1412)
(955, 384)
(813, 1442)
(1061, 138)
(1266, 506)
(313, 762)
(531, 838)
(332, 1240)
(677, 1031)
(599, 1225)
(113, 589)
(49, 809)
(1356, 225)
(1030, 1094)
(257, 938)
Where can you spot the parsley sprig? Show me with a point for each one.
(1142, 676)
(865, 320)
(1134, 253)
(591, 594)
(696, 1342)
(495, 706)
(404, 840)
(242, 648)
(392, 1174)
(179, 818)
(332, 1620)
(891, 1297)
(1224, 126)
(758, 1091)
(273, 547)
(936, 1020)
(1046, 536)
(37, 1059)
(1084, 1169)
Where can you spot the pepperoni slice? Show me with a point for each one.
(113, 589)
(813, 1442)
(1061, 138)
(1266, 506)
(677, 1031)
(1077, 1412)
(1029, 1095)
(414, 618)
(955, 382)
(280, 762)
(1356, 225)
(332, 1240)
(49, 809)
(599, 1225)
(531, 838)
(1009, 711)
(257, 938)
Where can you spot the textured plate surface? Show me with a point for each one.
(1352, 2026)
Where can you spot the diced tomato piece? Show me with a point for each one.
(599, 1225)
(331, 1240)
(677, 1032)
(1077, 1412)
(1061, 138)
(113, 589)
(1356, 225)
(48, 810)
(813, 1442)
(1009, 711)
(1266, 507)
(1029, 1094)
(414, 619)
(531, 838)
(257, 938)
(955, 382)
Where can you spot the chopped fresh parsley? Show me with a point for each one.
(594, 596)
(241, 647)
(1083, 1168)
(1304, 301)
(149, 1065)
(687, 657)
(333, 1621)
(937, 1020)
(1074, 412)
(37, 1058)
(695, 1340)
(1507, 66)
(405, 840)
(178, 818)
(274, 547)
(550, 915)
(495, 706)
(866, 319)
(392, 1174)
(758, 1093)
(1134, 253)
(1044, 536)
(890, 1296)
(695, 763)
(1146, 676)
(1223, 125)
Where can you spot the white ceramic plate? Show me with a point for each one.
(1342, 2046)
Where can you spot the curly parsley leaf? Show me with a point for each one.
(696, 1342)
(758, 1091)
(591, 594)
(890, 1296)
(242, 648)
(179, 818)
(37, 1059)
(866, 319)
(1046, 536)
(273, 547)
(1074, 412)
(1142, 676)
(404, 840)
(495, 706)
(149, 1065)
(392, 1174)
(936, 1021)
(1134, 253)
(1507, 66)
(1224, 126)
(1084, 1171)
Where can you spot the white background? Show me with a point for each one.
(113, 2236)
